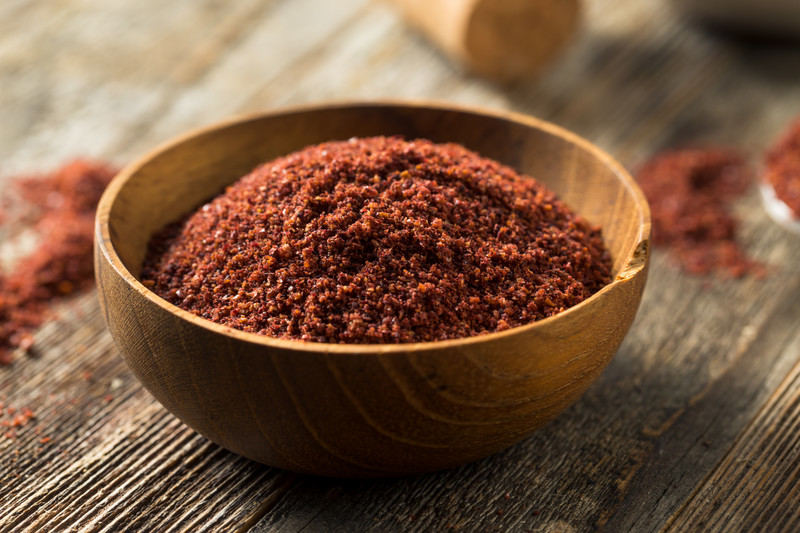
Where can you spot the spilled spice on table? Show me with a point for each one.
(12, 418)
(379, 240)
(62, 206)
(782, 167)
(690, 192)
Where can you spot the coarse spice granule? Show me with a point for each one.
(689, 192)
(379, 240)
(782, 168)
(62, 205)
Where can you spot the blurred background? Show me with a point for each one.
(112, 79)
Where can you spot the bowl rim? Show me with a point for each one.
(104, 243)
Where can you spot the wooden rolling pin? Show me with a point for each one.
(501, 39)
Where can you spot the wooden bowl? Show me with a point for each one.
(365, 410)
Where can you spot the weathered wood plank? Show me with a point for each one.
(77, 74)
(293, 32)
(755, 488)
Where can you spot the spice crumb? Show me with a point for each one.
(14, 419)
(379, 240)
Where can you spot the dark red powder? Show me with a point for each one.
(689, 193)
(379, 240)
(63, 204)
(783, 168)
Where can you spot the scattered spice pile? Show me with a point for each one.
(64, 204)
(783, 168)
(689, 192)
(379, 240)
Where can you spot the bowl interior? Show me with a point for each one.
(175, 179)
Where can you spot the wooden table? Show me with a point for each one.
(695, 425)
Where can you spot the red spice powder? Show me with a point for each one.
(379, 240)
(783, 168)
(64, 202)
(689, 192)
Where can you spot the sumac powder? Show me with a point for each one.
(379, 240)
(690, 192)
(782, 166)
(61, 207)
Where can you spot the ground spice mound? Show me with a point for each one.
(783, 168)
(62, 206)
(379, 240)
(689, 193)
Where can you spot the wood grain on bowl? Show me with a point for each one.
(365, 410)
